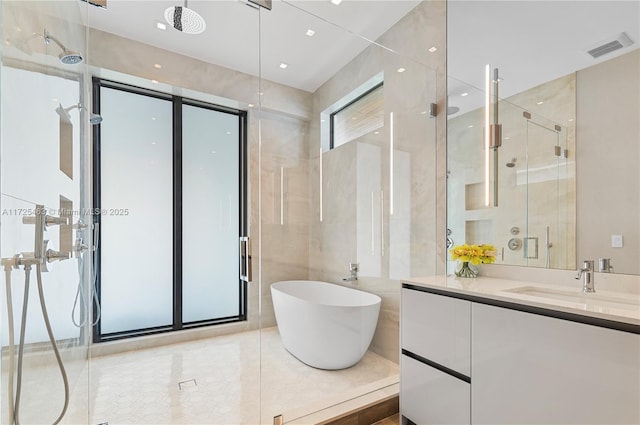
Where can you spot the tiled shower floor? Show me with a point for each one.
(224, 377)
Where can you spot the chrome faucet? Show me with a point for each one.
(586, 272)
(353, 269)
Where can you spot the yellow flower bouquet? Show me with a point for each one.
(472, 254)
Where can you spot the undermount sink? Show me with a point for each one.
(588, 300)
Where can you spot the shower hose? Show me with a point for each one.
(14, 404)
(81, 296)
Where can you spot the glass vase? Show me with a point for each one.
(467, 269)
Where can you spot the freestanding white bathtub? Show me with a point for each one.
(324, 325)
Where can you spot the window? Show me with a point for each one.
(358, 117)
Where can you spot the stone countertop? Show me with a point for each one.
(616, 306)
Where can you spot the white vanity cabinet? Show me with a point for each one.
(435, 363)
(529, 368)
(517, 365)
(430, 396)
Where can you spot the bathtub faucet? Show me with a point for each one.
(353, 269)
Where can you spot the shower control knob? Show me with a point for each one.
(57, 255)
(514, 244)
(80, 247)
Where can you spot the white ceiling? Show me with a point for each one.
(234, 31)
(531, 42)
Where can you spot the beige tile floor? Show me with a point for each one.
(246, 378)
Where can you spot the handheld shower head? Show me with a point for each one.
(64, 113)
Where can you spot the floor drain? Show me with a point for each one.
(187, 384)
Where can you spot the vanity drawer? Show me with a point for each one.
(429, 396)
(437, 328)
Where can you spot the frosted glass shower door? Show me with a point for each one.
(136, 204)
(211, 214)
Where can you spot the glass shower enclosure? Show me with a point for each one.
(158, 288)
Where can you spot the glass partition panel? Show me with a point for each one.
(199, 357)
(46, 287)
(364, 207)
(547, 180)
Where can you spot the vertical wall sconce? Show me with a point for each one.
(320, 169)
(487, 130)
(390, 163)
(492, 133)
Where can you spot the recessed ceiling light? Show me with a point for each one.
(470, 126)
(539, 103)
(336, 2)
(154, 81)
(153, 118)
(228, 132)
(161, 25)
(157, 66)
(570, 119)
(401, 70)
(464, 94)
(153, 143)
(506, 138)
(251, 105)
(376, 132)
(433, 49)
(423, 113)
(283, 65)
(310, 32)
(322, 120)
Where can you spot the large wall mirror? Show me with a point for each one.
(563, 183)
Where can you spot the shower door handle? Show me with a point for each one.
(245, 259)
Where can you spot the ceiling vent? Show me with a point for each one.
(610, 45)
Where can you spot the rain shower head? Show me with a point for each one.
(184, 19)
(70, 58)
(94, 119)
(67, 57)
(512, 163)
